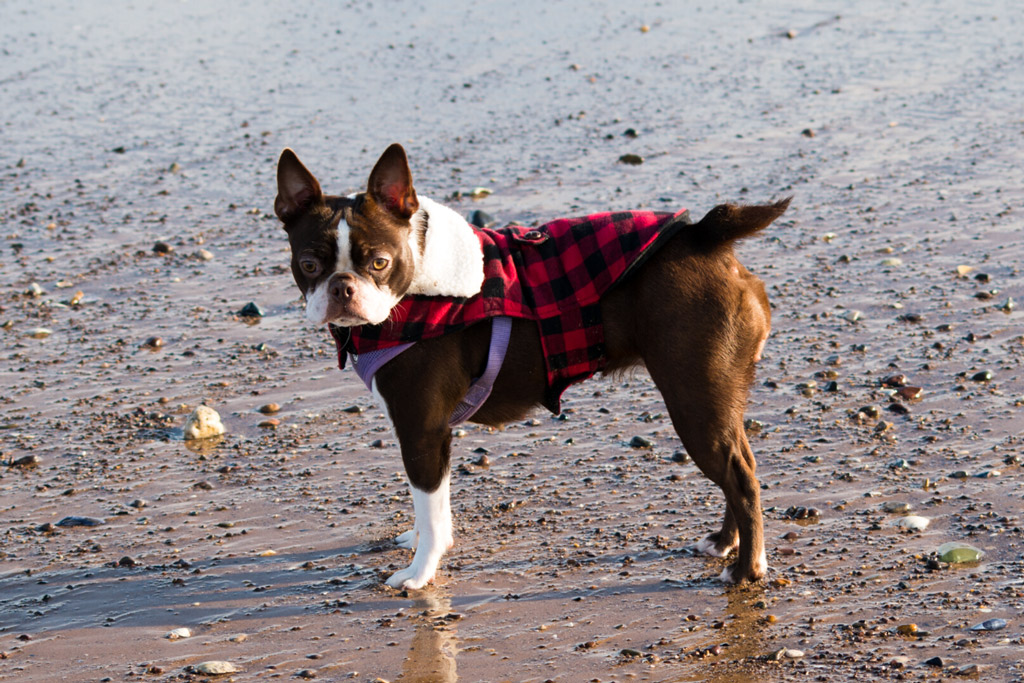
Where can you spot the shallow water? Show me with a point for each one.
(128, 123)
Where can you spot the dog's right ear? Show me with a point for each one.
(296, 186)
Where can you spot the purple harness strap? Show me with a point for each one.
(367, 364)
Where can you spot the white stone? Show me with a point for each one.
(39, 333)
(203, 423)
(178, 634)
(214, 668)
(913, 523)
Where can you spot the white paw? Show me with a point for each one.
(407, 540)
(706, 546)
(412, 577)
(761, 565)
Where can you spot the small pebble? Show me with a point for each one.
(870, 411)
(801, 512)
(251, 310)
(269, 423)
(73, 520)
(162, 248)
(215, 668)
(26, 461)
(153, 343)
(913, 523)
(269, 408)
(178, 634)
(481, 219)
(909, 393)
(203, 423)
(896, 507)
(631, 159)
(641, 442)
(990, 625)
(852, 316)
(40, 332)
(955, 552)
(353, 410)
(982, 376)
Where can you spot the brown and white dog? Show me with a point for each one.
(691, 314)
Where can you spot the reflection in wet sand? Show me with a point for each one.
(431, 656)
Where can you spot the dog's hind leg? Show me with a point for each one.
(714, 438)
(721, 543)
(703, 372)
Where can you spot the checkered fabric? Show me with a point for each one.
(554, 274)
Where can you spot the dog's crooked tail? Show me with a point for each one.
(727, 223)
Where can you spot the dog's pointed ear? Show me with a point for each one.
(296, 186)
(390, 183)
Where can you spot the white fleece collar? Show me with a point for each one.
(452, 261)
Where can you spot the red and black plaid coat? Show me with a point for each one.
(554, 274)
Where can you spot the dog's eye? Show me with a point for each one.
(380, 263)
(309, 266)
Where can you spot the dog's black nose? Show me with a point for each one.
(342, 288)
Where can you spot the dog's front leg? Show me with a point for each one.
(425, 440)
(433, 530)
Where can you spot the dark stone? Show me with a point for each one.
(251, 310)
(481, 219)
(80, 521)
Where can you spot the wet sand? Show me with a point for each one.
(896, 129)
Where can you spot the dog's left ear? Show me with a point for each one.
(390, 183)
(296, 186)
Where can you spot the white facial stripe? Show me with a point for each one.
(344, 262)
